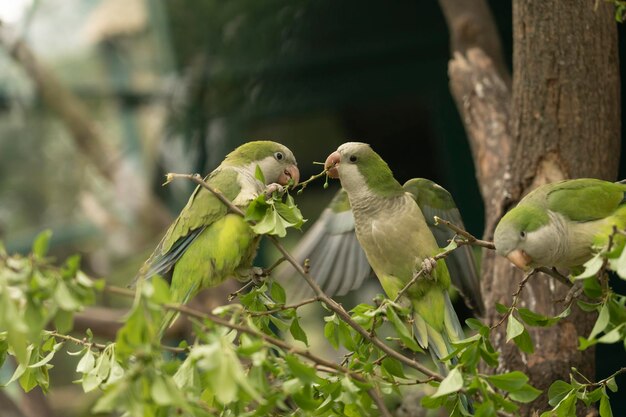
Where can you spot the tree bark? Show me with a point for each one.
(564, 122)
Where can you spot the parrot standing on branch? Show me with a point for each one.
(206, 244)
(339, 265)
(561, 224)
(394, 235)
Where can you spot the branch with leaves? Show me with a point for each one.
(239, 361)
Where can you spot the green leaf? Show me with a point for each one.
(619, 264)
(42, 243)
(297, 332)
(587, 307)
(601, 323)
(65, 299)
(393, 366)
(525, 394)
(485, 409)
(161, 392)
(405, 335)
(592, 267)
(510, 381)
(258, 174)
(533, 319)
(300, 370)
(513, 328)
(501, 308)
(611, 384)
(345, 336)
(605, 407)
(451, 383)
(524, 342)
(432, 402)
(278, 293)
(331, 334)
(557, 391)
(64, 321)
(613, 336)
(86, 363)
(304, 398)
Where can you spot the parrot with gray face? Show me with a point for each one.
(206, 244)
(339, 265)
(561, 224)
(396, 239)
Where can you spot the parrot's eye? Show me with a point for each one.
(279, 156)
(353, 158)
(522, 234)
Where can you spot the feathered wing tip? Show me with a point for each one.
(161, 264)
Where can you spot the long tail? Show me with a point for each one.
(440, 343)
(177, 295)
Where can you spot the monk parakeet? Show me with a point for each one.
(396, 239)
(206, 244)
(339, 265)
(560, 224)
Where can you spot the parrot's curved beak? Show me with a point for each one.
(519, 258)
(290, 173)
(331, 164)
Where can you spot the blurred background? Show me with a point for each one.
(100, 98)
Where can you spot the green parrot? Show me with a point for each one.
(561, 224)
(339, 265)
(206, 244)
(397, 241)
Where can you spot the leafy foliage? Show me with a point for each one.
(240, 364)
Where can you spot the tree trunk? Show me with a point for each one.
(564, 123)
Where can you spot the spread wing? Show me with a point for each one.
(336, 260)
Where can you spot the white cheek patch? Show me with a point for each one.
(352, 180)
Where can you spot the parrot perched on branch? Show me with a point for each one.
(561, 224)
(206, 244)
(339, 265)
(396, 239)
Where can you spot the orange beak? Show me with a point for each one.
(290, 173)
(331, 164)
(520, 259)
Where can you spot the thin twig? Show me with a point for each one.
(556, 275)
(101, 347)
(304, 184)
(283, 308)
(419, 273)
(608, 378)
(81, 342)
(471, 239)
(516, 297)
(411, 282)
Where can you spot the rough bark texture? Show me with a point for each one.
(472, 26)
(563, 122)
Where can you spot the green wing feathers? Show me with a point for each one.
(586, 199)
(225, 249)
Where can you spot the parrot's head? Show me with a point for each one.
(276, 161)
(519, 236)
(360, 169)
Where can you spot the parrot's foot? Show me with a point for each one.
(274, 187)
(251, 276)
(253, 273)
(428, 265)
